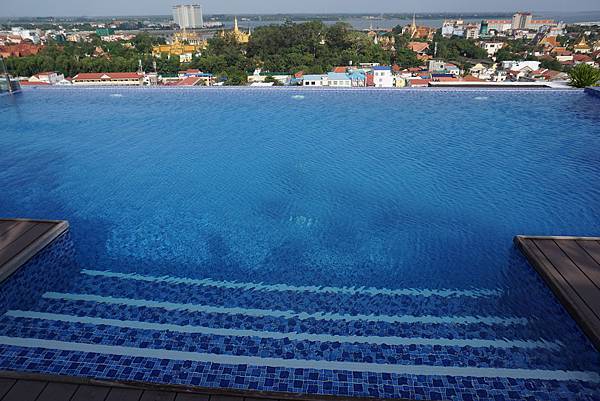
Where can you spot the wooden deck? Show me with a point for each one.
(20, 239)
(571, 267)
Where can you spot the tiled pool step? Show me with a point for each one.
(172, 291)
(166, 354)
(287, 314)
(370, 291)
(378, 340)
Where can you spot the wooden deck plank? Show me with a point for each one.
(155, 395)
(124, 394)
(25, 390)
(90, 393)
(584, 287)
(592, 248)
(577, 293)
(582, 259)
(57, 392)
(9, 251)
(5, 385)
(191, 397)
(17, 230)
(6, 225)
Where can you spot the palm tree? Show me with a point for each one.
(583, 75)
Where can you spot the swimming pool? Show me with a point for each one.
(327, 242)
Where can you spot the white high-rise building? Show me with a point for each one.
(188, 16)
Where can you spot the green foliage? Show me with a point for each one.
(454, 48)
(312, 47)
(583, 75)
(505, 54)
(72, 58)
(270, 79)
(406, 58)
(551, 64)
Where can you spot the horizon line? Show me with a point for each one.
(2, 18)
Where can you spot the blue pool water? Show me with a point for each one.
(327, 242)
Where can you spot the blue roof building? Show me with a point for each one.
(339, 79)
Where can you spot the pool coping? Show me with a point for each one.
(572, 271)
(58, 227)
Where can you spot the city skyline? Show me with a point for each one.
(35, 8)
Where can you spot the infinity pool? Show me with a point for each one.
(328, 242)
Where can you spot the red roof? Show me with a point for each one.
(419, 82)
(27, 83)
(189, 81)
(190, 71)
(471, 78)
(445, 79)
(107, 75)
(339, 69)
(299, 74)
(584, 58)
(418, 47)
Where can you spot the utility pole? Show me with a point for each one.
(9, 86)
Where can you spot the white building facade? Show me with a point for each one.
(383, 77)
(188, 16)
(315, 80)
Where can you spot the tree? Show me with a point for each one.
(551, 64)
(272, 79)
(583, 75)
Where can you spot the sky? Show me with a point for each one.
(14, 8)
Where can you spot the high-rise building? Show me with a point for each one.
(188, 16)
(521, 20)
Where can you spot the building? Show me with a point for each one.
(582, 47)
(453, 28)
(109, 79)
(418, 32)
(382, 77)
(358, 77)
(238, 36)
(441, 67)
(525, 21)
(498, 25)
(188, 16)
(521, 20)
(472, 31)
(105, 32)
(258, 76)
(520, 65)
(338, 80)
(50, 77)
(315, 80)
(195, 81)
(201, 78)
(190, 38)
(491, 47)
(185, 52)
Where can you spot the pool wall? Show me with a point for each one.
(593, 91)
(49, 268)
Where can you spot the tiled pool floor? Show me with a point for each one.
(402, 343)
